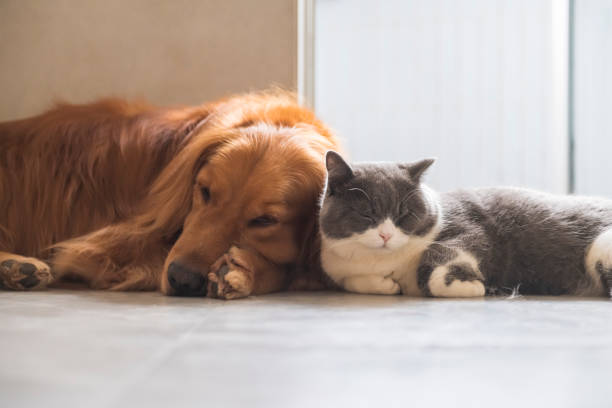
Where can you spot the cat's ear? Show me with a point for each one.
(416, 170)
(338, 171)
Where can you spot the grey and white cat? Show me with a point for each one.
(385, 232)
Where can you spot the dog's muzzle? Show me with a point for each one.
(185, 281)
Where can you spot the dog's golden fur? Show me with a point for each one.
(113, 193)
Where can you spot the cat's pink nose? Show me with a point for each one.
(385, 236)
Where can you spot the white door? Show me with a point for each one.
(593, 97)
(479, 84)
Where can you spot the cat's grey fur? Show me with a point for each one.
(502, 237)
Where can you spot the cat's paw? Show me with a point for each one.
(371, 284)
(459, 281)
(390, 287)
(231, 277)
(23, 273)
(598, 263)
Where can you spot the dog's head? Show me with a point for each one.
(254, 186)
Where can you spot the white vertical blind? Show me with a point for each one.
(593, 96)
(479, 84)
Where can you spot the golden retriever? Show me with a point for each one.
(218, 199)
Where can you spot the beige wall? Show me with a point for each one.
(166, 51)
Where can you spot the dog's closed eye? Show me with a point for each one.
(263, 221)
(205, 194)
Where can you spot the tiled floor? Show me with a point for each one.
(94, 349)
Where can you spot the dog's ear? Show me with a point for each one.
(308, 273)
(169, 200)
(205, 156)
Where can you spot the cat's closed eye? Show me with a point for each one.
(408, 216)
(366, 217)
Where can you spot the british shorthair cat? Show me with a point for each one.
(384, 232)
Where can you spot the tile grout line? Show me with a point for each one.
(148, 366)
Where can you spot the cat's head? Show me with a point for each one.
(379, 205)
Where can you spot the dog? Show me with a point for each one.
(216, 200)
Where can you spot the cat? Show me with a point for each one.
(385, 232)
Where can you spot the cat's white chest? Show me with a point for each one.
(348, 258)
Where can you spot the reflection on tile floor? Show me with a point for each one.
(66, 348)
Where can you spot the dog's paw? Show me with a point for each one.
(21, 273)
(230, 277)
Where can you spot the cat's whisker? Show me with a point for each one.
(408, 197)
(416, 217)
(361, 191)
(337, 244)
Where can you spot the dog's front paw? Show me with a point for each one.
(21, 273)
(231, 277)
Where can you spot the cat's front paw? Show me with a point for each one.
(371, 284)
(390, 287)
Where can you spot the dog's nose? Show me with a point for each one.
(186, 282)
